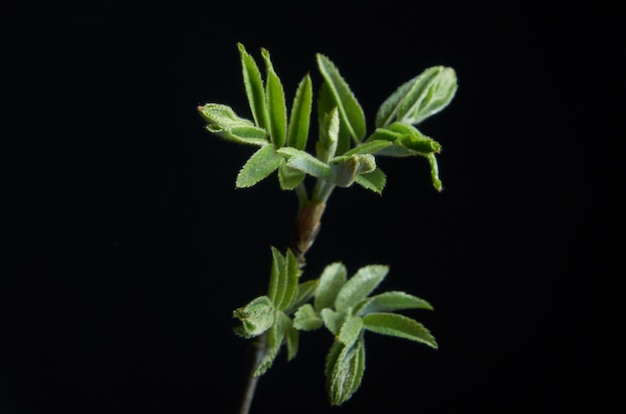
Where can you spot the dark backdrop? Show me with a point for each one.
(126, 244)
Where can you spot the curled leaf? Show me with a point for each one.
(256, 317)
(225, 123)
(346, 168)
(305, 162)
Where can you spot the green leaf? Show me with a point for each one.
(273, 343)
(387, 112)
(306, 290)
(429, 99)
(373, 180)
(225, 123)
(412, 138)
(293, 339)
(350, 330)
(254, 87)
(407, 136)
(305, 162)
(277, 276)
(434, 172)
(344, 372)
(346, 168)
(306, 319)
(370, 147)
(364, 281)
(331, 358)
(359, 366)
(300, 114)
(392, 301)
(260, 165)
(396, 150)
(333, 278)
(384, 134)
(352, 115)
(290, 284)
(256, 317)
(325, 105)
(399, 326)
(289, 178)
(419, 98)
(333, 321)
(275, 103)
(326, 146)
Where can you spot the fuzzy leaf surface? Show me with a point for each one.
(260, 165)
(275, 103)
(277, 276)
(346, 168)
(344, 373)
(273, 343)
(305, 162)
(407, 136)
(325, 105)
(370, 147)
(306, 290)
(290, 284)
(350, 330)
(225, 123)
(364, 281)
(419, 98)
(253, 84)
(333, 321)
(288, 177)
(392, 301)
(434, 172)
(400, 326)
(306, 319)
(293, 342)
(374, 180)
(352, 115)
(298, 130)
(326, 146)
(333, 278)
(430, 96)
(256, 317)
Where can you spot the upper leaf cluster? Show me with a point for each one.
(344, 153)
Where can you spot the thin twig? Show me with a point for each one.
(248, 395)
(306, 228)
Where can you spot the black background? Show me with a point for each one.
(127, 245)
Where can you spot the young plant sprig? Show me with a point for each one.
(344, 154)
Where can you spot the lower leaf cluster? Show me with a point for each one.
(344, 306)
